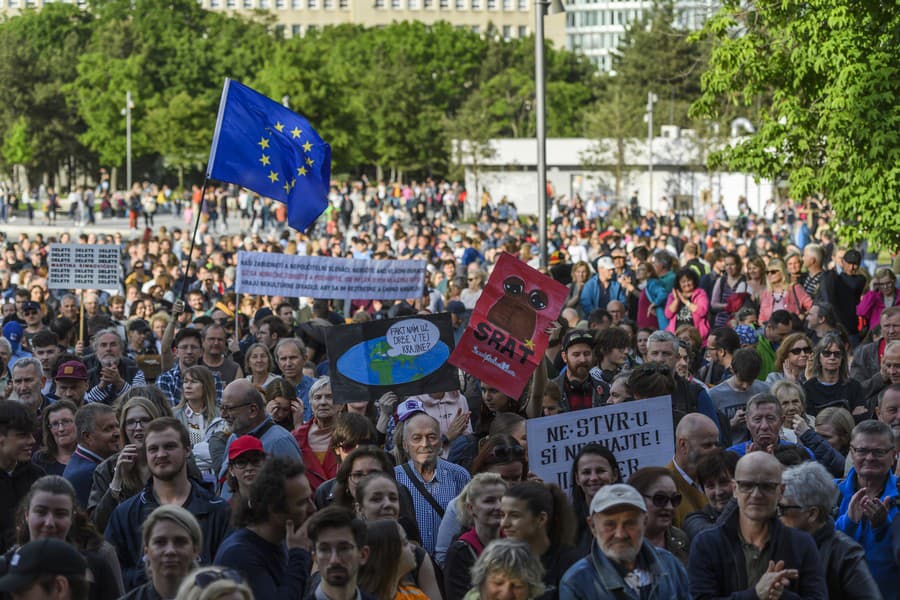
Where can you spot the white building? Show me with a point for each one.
(583, 166)
(596, 28)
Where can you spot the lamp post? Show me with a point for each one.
(651, 100)
(129, 104)
(540, 7)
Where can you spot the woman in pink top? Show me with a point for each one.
(781, 294)
(883, 295)
(688, 304)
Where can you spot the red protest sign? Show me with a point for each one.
(506, 336)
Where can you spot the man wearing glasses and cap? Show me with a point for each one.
(751, 553)
(622, 564)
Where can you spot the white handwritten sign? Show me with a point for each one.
(84, 267)
(326, 277)
(639, 434)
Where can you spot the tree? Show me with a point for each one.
(833, 124)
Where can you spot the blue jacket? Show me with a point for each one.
(590, 295)
(716, 568)
(595, 577)
(658, 291)
(80, 473)
(876, 541)
(124, 528)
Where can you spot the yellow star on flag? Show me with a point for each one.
(529, 343)
(263, 143)
(264, 159)
(307, 147)
(279, 126)
(309, 161)
(286, 187)
(293, 182)
(301, 171)
(273, 176)
(296, 132)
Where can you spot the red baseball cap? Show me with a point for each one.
(244, 444)
(72, 369)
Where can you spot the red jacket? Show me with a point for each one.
(317, 473)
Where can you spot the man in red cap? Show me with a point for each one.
(71, 381)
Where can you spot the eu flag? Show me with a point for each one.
(265, 147)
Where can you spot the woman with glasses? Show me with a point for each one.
(49, 510)
(791, 359)
(171, 538)
(781, 294)
(883, 294)
(470, 295)
(828, 379)
(58, 425)
(198, 412)
(806, 504)
(258, 365)
(214, 583)
(314, 437)
(499, 453)
(246, 457)
(125, 473)
(478, 508)
(594, 467)
(539, 515)
(732, 283)
(662, 498)
(351, 431)
(378, 498)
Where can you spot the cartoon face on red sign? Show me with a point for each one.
(506, 337)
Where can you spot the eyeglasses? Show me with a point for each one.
(61, 424)
(357, 475)
(244, 462)
(661, 500)
(884, 284)
(765, 487)
(132, 423)
(504, 453)
(227, 409)
(798, 351)
(204, 578)
(874, 452)
(831, 353)
(773, 271)
(341, 550)
(618, 258)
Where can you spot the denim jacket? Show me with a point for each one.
(596, 578)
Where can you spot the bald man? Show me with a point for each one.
(751, 554)
(617, 311)
(695, 437)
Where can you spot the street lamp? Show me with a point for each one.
(540, 7)
(651, 100)
(129, 104)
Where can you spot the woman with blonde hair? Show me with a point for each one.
(580, 273)
(214, 583)
(781, 294)
(883, 294)
(797, 426)
(199, 413)
(756, 277)
(507, 565)
(259, 366)
(791, 359)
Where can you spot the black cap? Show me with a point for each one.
(852, 257)
(47, 556)
(577, 336)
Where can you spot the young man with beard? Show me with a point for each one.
(578, 388)
(695, 437)
(167, 446)
(339, 548)
(271, 547)
(622, 564)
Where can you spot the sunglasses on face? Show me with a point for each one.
(765, 487)
(661, 500)
(504, 453)
(832, 353)
(798, 351)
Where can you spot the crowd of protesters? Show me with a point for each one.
(173, 438)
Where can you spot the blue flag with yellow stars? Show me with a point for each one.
(265, 147)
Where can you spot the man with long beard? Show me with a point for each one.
(578, 389)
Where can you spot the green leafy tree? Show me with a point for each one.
(832, 124)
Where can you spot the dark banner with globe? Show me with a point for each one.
(407, 356)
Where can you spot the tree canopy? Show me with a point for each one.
(824, 76)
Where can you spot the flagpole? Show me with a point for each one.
(187, 269)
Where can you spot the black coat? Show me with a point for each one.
(847, 574)
(13, 487)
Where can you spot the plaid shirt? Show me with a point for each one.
(449, 480)
(170, 383)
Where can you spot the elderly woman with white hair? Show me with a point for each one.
(314, 436)
(507, 569)
(806, 504)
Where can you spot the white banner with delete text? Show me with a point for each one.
(84, 267)
(639, 434)
(325, 277)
